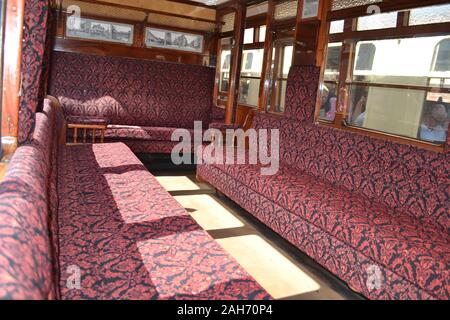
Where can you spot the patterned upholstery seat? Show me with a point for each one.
(359, 206)
(141, 100)
(111, 224)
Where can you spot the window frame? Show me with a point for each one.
(276, 74)
(254, 23)
(349, 38)
(249, 78)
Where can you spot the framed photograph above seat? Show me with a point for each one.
(91, 29)
(175, 40)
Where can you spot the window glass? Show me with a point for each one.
(396, 87)
(328, 90)
(250, 76)
(248, 35)
(442, 60)
(281, 63)
(333, 61)
(337, 26)
(365, 56)
(410, 61)
(377, 21)
(262, 33)
(427, 15)
(225, 61)
(404, 112)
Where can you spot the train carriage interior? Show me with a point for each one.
(225, 150)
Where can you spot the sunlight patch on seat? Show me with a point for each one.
(189, 264)
(273, 271)
(209, 213)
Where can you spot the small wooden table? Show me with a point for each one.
(85, 128)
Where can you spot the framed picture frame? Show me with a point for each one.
(310, 9)
(174, 40)
(91, 29)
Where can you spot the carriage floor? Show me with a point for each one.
(279, 267)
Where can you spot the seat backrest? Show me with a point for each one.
(403, 177)
(26, 249)
(127, 91)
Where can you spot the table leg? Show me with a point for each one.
(93, 135)
(103, 136)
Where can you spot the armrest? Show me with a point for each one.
(87, 120)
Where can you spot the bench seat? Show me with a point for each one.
(375, 213)
(414, 251)
(112, 231)
(131, 239)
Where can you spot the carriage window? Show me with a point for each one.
(377, 21)
(281, 63)
(328, 98)
(224, 65)
(366, 54)
(225, 70)
(428, 15)
(250, 76)
(262, 33)
(442, 61)
(337, 26)
(395, 88)
(249, 35)
(392, 77)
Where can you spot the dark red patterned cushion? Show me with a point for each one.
(301, 93)
(418, 252)
(132, 92)
(350, 201)
(337, 256)
(141, 133)
(132, 240)
(27, 266)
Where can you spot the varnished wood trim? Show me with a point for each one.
(236, 61)
(12, 67)
(118, 50)
(128, 7)
(267, 57)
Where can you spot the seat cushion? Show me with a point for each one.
(131, 240)
(417, 252)
(141, 133)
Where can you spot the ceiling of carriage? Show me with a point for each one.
(161, 12)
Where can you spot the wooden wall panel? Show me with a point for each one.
(117, 50)
(11, 74)
(137, 50)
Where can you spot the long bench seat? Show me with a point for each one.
(143, 102)
(375, 213)
(95, 211)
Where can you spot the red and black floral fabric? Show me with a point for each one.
(132, 92)
(131, 239)
(27, 219)
(355, 204)
(141, 100)
(34, 44)
(97, 213)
